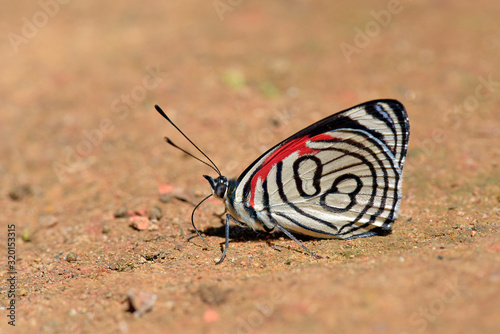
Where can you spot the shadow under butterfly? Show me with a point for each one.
(340, 177)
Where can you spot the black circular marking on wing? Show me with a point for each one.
(279, 183)
(383, 161)
(316, 178)
(374, 150)
(334, 190)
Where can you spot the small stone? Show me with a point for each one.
(165, 192)
(22, 292)
(210, 316)
(473, 233)
(212, 294)
(178, 247)
(140, 302)
(277, 247)
(20, 192)
(156, 255)
(165, 198)
(121, 212)
(170, 304)
(106, 229)
(155, 213)
(177, 194)
(26, 236)
(71, 257)
(58, 257)
(139, 223)
(165, 188)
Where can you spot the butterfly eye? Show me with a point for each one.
(221, 187)
(220, 190)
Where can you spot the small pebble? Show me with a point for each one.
(165, 198)
(210, 316)
(121, 212)
(71, 257)
(58, 257)
(277, 247)
(139, 223)
(212, 294)
(170, 304)
(26, 236)
(19, 192)
(140, 302)
(155, 213)
(165, 188)
(155, 255)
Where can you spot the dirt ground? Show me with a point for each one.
(101, 205)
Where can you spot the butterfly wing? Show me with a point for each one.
(340, 177)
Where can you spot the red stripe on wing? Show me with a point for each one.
(295, 145)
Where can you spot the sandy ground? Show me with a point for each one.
(83, 159)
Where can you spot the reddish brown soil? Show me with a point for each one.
(81, 142)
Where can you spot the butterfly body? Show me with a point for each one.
(341, 177)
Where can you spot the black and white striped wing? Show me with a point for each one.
(340, 177)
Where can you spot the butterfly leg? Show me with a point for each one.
(290, 235)
(228, 217)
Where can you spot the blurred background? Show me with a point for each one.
(230, 68)
(80, 136)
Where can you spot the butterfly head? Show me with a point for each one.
(219, 185)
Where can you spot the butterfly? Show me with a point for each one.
(340, 177)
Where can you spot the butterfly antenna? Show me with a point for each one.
(191, 155)
(213, 165)
(192, 218)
